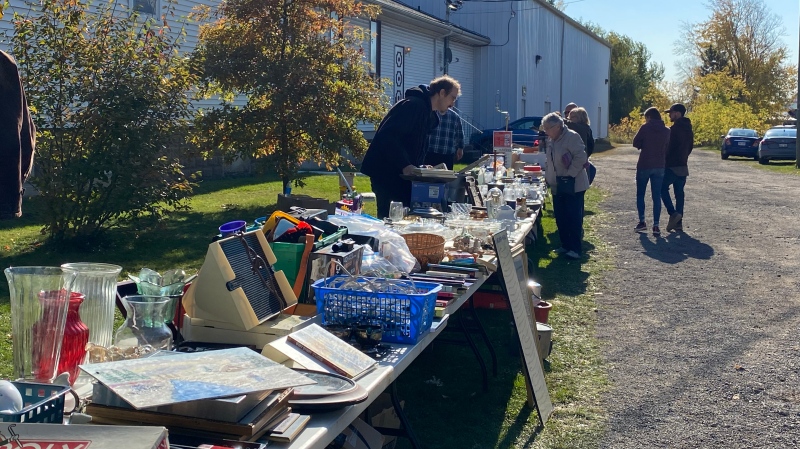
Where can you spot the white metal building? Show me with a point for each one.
(524, 57)
(411, 48)
(538, 60)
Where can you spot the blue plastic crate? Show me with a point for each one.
(404, 317)
(42, 403)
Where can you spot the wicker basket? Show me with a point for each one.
(427, 248)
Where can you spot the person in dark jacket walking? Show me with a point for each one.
(17, 139)
(681, 141)
(401, 140)
(652, 140)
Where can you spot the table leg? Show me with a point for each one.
(398, 409)
(471, 343)
(484, 335)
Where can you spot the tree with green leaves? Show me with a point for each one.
(717, 106)
(108, 93)
(742, 39)
(632, 74)
(298, 65)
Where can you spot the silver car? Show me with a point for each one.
(778, 144)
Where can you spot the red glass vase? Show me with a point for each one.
(76, 335)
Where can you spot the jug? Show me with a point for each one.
(144, 325)
(39, 303)
(493, 201)
(98, 283)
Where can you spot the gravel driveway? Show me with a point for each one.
(701, 329)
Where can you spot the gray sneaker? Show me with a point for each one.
(561, 250)
(674, 219)
(572, 255)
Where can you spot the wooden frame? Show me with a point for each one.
(526, 328)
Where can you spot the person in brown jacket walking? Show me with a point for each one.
(651, 140)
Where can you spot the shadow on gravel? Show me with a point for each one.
(674, 247)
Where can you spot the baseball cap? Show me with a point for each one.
(677, 107)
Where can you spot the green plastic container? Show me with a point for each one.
(290, 255)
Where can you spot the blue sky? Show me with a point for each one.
(658, 24)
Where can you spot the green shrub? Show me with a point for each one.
(108, 92)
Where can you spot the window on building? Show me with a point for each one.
(150, 7)
(374, 48)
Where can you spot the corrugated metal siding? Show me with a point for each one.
(462, 69)
(495, 72)
(585, 71)
(547, 73)
(420, 62)
(502, 69)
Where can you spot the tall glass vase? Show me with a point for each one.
(98, 283)
(39, 302)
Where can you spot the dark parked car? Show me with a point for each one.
(778, 144)
(740, 142)
(525, 132)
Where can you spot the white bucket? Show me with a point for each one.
(545, 343)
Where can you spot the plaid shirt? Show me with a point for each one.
(448, 136)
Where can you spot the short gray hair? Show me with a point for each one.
(552, 119)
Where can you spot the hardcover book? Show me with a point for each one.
(332, 351)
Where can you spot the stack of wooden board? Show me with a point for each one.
(266, 415)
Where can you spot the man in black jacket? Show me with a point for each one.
(17, 139)
(402, 139)
(681, 140)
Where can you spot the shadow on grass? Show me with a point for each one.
(443, 391)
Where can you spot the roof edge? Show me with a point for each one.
(399, 11)
(573, 22)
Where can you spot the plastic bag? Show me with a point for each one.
(393, 245)
(373, 264)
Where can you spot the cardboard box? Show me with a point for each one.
(57, 436)
(381, 414)
(373, 438)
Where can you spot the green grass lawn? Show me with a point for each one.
(457, 413)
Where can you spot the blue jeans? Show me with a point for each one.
(655, 176)
(568, 210)
(677, 183)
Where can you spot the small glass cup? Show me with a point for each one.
(396, 211)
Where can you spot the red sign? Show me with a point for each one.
(46, 444)
(502, 139)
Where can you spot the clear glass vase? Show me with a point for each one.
(39, 303)
(98, 283)
(144, 329)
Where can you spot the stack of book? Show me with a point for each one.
(243, 418)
